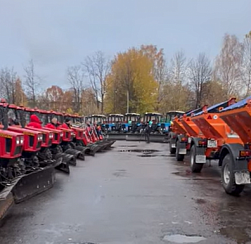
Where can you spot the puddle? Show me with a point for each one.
(200, 201)
(152, 155)
(128, 146)
(183, 238)
(139, 150)
(236, 233)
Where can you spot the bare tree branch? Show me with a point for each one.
(200, 72)
(76, 79)
(97, 67)
(32, 81)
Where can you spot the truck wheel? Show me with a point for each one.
(172, 150)
(196, 168)
(179, 157)
(227, 177)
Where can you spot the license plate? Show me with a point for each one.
(173, 145)
(211, 143)
(200, 159)
(242, 178)
(182, 151)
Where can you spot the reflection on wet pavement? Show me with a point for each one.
(136, 194)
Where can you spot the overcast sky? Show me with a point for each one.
(60, 33)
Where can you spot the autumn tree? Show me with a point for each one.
(212, 93)
(55, 95)
(246, 66)
(159, 70)
(97, 68)
(8, 79)
(32, 82)
(89, 102)
(228, 65)
(177, 95)
(131, 84)
(76, 79)
(20, 96)
(200, 72)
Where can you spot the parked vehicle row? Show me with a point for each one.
(34, 143)
(219, 132)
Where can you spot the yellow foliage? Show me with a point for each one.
(69, 111)
(131, 73)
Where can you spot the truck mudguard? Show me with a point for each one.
(233, 150)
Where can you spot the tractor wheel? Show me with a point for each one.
(227, 177)
(172, 150)
(179, 157)
(196, 168)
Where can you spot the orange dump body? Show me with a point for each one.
(215, 128)
(177, 127)
(191, 128)
(239, 119)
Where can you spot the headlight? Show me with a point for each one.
(40, 137)
(17, 140)
(21, 139)
(61, 134)
(50, 135)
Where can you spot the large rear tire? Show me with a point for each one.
(228, 179)
(179, 157)
(195, 167)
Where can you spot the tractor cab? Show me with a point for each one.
(131, 122)
(79, 132)
(32, 139)
(155, 118)
(170, 115)
(11, 142)
(114, 122)
(47, 135)
(97, 119)
(68, 133)
(43, 115)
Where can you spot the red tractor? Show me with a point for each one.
(68, 135)
(21, 175)
(52, 138)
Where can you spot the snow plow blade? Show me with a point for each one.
(76, 153)
(91, 149)
(118, 136)
(33, 184)
(6, 200)
(62, 162)
(153, 137)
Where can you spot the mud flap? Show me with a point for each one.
(61, 164)
(33, 184)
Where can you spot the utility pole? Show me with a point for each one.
(127, 101)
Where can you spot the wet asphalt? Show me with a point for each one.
(130, 196)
